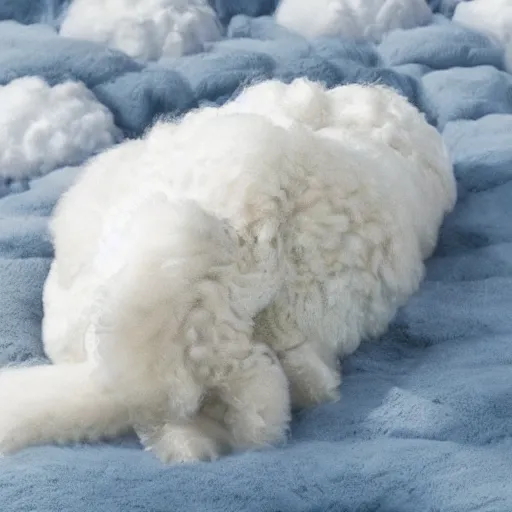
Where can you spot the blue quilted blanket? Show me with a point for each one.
(425, 422)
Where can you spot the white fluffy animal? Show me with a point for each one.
(294, 216)
(354, 19)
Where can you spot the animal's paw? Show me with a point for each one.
(178, 443)
(312, 382)
(303, 397)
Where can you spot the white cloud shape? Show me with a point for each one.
(144, 29)
(491, 17)
(353, 19)
(44, 127)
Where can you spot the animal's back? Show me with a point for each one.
(351, 248)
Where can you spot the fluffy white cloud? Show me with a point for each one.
(354, 19)
(492, 17)
(144, 29)
(43, 127)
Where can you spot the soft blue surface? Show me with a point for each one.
(425, 423)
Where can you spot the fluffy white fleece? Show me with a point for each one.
(492, 17)
(45, 127)
(144, 29)
(353, 19)
(294, 216)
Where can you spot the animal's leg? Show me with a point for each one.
(257, 400)
(186, 440)
(312, 381)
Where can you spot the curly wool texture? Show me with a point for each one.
(376, 113)
(144, 29)
(354, 19)
(44, 127)
(491, 17)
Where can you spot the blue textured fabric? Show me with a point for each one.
(226, 9)
(32, 11)
(425, 423)
(440, 46)
(445, 7)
